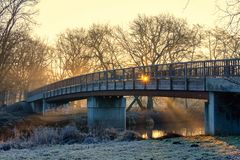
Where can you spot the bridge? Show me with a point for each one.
(217, 81)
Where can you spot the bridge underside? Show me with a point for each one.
(157, 93)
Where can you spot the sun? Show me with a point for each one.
(145, 78)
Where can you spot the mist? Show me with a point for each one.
(170, 115)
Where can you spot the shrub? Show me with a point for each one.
(129, 136)
(45, 135)
(70, 134)
(66, 135)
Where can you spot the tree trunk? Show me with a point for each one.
(2, 98)
(150, 103)
(186, 103)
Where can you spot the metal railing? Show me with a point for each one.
(182, 70)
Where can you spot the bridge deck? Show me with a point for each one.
(185, 79)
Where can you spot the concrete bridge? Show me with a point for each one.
(217, 81)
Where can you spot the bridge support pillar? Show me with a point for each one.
(222, 114)
(45, 106)
(40, 106)
(107, 112)
(36, 106)
(32, 106)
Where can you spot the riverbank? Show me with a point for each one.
(147, 123)
(197, 147)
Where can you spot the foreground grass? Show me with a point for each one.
(199, 147)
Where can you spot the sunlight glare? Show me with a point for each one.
(145, 78)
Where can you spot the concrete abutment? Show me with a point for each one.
(43, 106)
(222, 114)
(107, 112)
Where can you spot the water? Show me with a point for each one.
(173, 129)
(158, 133)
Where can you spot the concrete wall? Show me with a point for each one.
(42, 106)
(107, 112)
(37, 106)
(22, 106)
(222, 114)
(227, 84)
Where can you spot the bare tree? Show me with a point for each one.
(73, 53)
(234, 46)
(15, 16)
(221, 44)
(104, 47)
(231, 14)
(158, 39)
(194, 52)
(29, 70)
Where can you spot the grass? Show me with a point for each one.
(198, 147)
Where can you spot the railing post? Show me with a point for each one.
(93, 82)
(133, 77)
(156, 76)
(99, 85)
(170, 76)
(123, 79)
(86, 84)
(233, 66)
(81, 83)
(204, 69)
(114, 79)
(145, 84)
(185, 76)
(106, 79)
(214, 69)
(236, 67)
(204, 76)
(226, 68)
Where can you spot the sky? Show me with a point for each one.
(55, 16)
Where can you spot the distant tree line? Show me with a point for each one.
(27, 62)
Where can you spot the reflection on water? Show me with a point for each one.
(168, 129)
(144, 136)
(158, 133)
